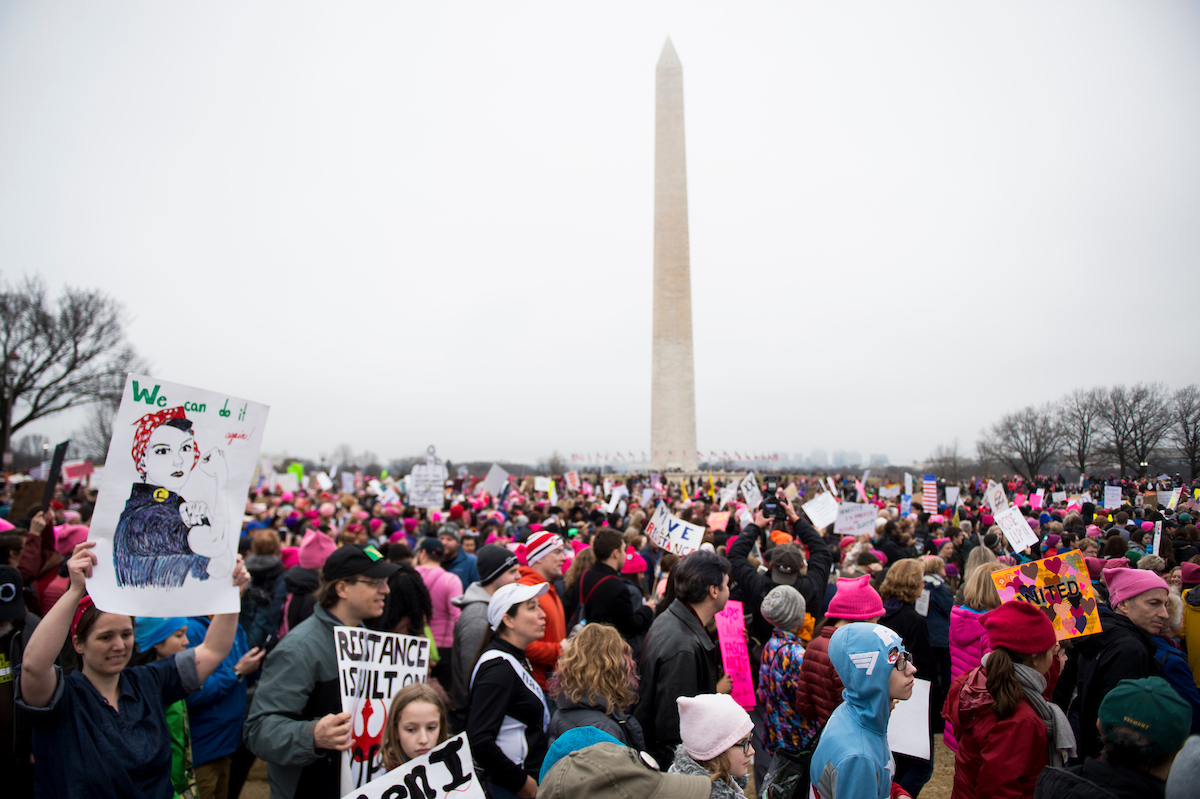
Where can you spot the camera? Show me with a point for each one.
(772, 505)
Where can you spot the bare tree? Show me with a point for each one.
(948, 461)
(1081, 419)
(58, 353)
(1026, 440)
(1138, 417)
(342, 456)
(92, 440)
(556, 464)
(1185, 426)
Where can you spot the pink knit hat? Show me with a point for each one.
(1127, 583)
(855, 600)
(634, 563)
(1147, 526)
(711, 724)
(289, 557)
(67, 536)
(6, 525)
(1093, 531)
(326, 510)
(1095, 566)
(315, 547)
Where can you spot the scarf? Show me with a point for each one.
(1060, 741)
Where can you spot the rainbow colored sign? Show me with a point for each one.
(1060, 586)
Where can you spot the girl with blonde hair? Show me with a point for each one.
(595, 684)
(416, 723)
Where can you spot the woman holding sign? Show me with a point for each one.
(102, 731)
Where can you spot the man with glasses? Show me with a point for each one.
(295, 723)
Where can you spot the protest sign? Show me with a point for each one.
(908, 481)
(1112, 497)
(372, 667)
(832, 488)
(608, 486)
(717, 521)
(324, 481)
(541, 484)
(1058, 496)
(861, 490)
(427, 482)
(1018, 499)
(908, 726)
(889, 492)
(496, 479)
(446, 771)
(553, 494)
(347, 482)
(172, 495)
(1018, 532)
(287, 481)
(1155, 540)
(1035, 501)
(731, 635)
(905, 504)
(791, 492)
(750, 492)
(952, 496)
(929, 494)
(647, 497)
(822, 510)
(855, 519)
(727, 495)
(672, 533)
(1172, 499)
(75, 471)
(1060, 586)
(995, 497)
(572, 479)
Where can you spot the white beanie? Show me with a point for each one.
(711, 723)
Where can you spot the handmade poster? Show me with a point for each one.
(572, 479)
(1035, 501)
(751, 492)
(1173, 499)
(76, 471)
(1058, 496)
(286, 481)
(908, 481)
(822, 510)
(496, 479)
(908, 726)
(1150, 499)
(791, 491)
(324, 481)
(905, 504)
(647, 497)
(427, 482)
(446, 771)
(172, 495)
(832, 488)
(717, 521)
(855, 519)
(861, 490)
(727, 495)
(1155, 540)
(1112, 497)
(889, 492)
(372, 667)
(952, 495)
(731, 635)
(995, 497)
(1018, 532)
(929, 494)
(553, 494)
(608, 486)
(1060, 586)
(541, 484)
(1018, 499)
(673, 534)
(347, 482)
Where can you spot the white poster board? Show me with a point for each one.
(995, 497)
(427, 482)
(750, 491)
(889, 492)
(286, 481)
(672, 533)
(855, 518)
(727, 495)
(908, 726)
(573, 483)
(1016, 529)
(952, 497)
(1058, 496)
(372, 667)
(822, 510)
(1112, 497)
(496, 479)
(347, 483)
(908, 481)
(447, 771)
(324, 481)
(172, 494)
(541, 484)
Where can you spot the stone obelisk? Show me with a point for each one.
(673, 385)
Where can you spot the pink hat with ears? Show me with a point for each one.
(6, 525)
(67, 536)
(290, 556)
(1127, 583)
(361, 515)
(315, 547)
(287, 496)
(375, 524)
(410, 524)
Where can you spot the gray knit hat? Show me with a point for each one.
(784, 607)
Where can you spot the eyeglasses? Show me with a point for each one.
(375, 584)
(903, 661)
(745, 745)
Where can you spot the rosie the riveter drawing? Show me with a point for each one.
(161, 537)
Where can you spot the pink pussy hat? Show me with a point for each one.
(855, 600)
(67, 536)
(315, 547)
(711, 723)
(1127, 583)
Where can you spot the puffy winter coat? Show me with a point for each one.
(1175, 668)
(996, 758)
(1096, 779)
(968, 644)
(819, 689)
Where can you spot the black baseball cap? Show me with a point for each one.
(12, 594)
(432, 545)
(354, 560)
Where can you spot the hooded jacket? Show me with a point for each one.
(853, 760)
(468, 634)
(300, 586)
(996, 758)
(968, 644)
(590, 712)
(1175, 669)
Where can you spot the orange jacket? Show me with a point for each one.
(543, 654)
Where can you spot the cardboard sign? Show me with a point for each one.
(750, 492)
(427, 481)
(995, 497)
(673, 534)
(855, 519)
(1058, 496)
(908, 726)
(731, 635)
(572, 479)
(372, 667)
(822, 510)
(172, 495)
(717, 521)
(444, 772)
(1060, 586)
(1018, 532)
(496, 479)
(1112, 497)
(727, 495)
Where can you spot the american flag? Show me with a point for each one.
(929, 498)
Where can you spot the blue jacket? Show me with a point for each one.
(937, 620)
(217, 710)
(853, 760)
(1179, 675)
(463, 565)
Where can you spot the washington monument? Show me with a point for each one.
(673, 386)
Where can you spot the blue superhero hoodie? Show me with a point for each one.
(853, 760)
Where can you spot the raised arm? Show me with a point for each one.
(219, 640)
(38, 680)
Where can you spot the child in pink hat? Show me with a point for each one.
(716, 735)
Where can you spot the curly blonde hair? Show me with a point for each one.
(904, 581)
(598, 665)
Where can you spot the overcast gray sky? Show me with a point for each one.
(410, 223)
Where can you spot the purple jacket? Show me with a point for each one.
(968, 644)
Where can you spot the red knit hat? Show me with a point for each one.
(1020, 627)
(855, 600)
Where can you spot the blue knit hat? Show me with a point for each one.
(573, 740)
(149, 631)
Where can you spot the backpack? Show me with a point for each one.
(578, 620)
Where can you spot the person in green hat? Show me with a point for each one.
(1143, 724)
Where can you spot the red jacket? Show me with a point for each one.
(819, 689)
(996, 758)
(543, 654)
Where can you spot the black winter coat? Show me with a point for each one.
(1096, 779)
(496, 693)
(678, 659)
(1123, 651)
(590, 713)
(611, 602)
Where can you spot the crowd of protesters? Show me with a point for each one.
(566, 645)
